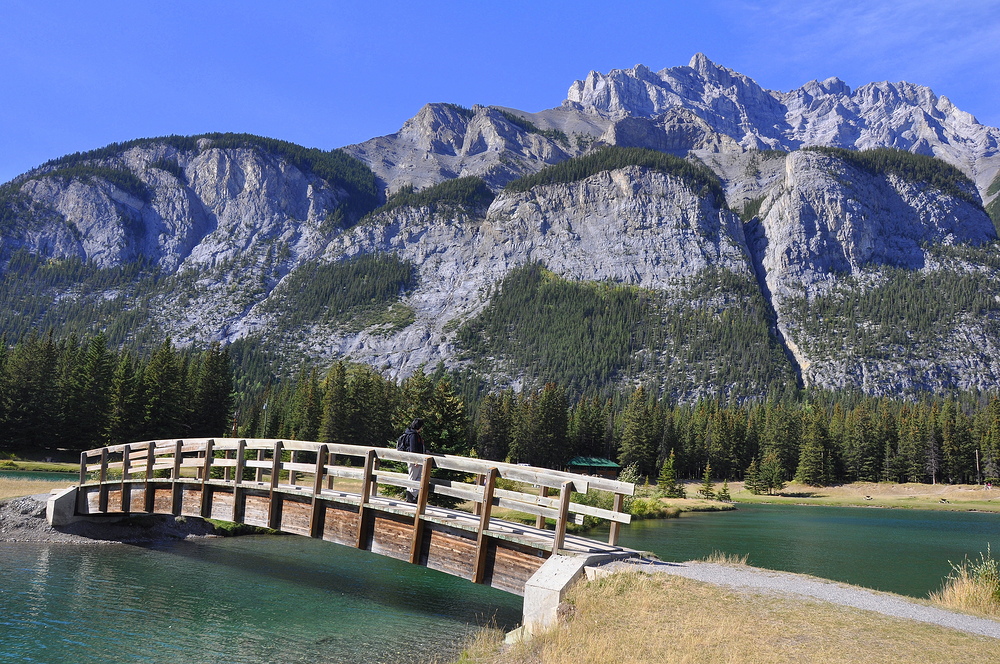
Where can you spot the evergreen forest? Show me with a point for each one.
(587, 336)
(72, 394)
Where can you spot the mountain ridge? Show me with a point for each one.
(225, 220)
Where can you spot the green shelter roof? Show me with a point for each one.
(594, 462)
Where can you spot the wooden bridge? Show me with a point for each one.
(332, 492)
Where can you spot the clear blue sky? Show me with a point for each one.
(79, 75)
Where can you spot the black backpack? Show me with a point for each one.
(403, 443)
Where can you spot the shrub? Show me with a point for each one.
(973, 585)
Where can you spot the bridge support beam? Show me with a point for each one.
(547, 587)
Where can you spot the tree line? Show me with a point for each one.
(80, 394)
(77, 395)
(817, 439)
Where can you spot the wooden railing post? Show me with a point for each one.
(482, 541)
(150, 504)
(126, 491)
(274, 517)
(477, 507)
(102, 500)
(292, 475)
(206, 474)
(366, 487)
(239, 502)
(422, 495)
(83, 468)
(241, 452)
(543, 491)
(175, 474)
(317, 516)
(177, 502)
(206, 466)
(615, 526)
(564, 497)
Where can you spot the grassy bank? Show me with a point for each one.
(957, 497)
(14, 488)
(663, 618)
(38, 466)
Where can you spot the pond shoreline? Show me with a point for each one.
(887, 495)
(23, 520)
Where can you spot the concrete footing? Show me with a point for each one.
(60, 510)
(547, 587)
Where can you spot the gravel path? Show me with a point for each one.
(806, 586)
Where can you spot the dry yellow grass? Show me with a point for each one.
(730, 559)
(961, 497)
(969, 595)
(15, 488)
(639, 618)
(973, 586)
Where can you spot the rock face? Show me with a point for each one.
(830, 229)
(901, 115)
(220, 204)
(227, 226)
(632, 226)
(830, 218)
(444, 141)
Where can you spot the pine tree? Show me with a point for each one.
(494, 425)
(306, 407)
(723, 494)
(163, 395)
(372, 418)
(541, 428)
(751, 479)
(588, 428)
(125, 413)
(333, 424)
(667, 484)
(772, 474)
(31, 397)
(447, 424)
(707, 489)
(640, 437)
(212, 402)
(813, 468)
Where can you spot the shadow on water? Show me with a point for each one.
(344, 571)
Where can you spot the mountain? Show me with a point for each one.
(685, 228)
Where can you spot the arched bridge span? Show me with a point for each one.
(338, 493)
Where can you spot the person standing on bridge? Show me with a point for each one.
(415, 444)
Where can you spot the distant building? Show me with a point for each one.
(598, 466)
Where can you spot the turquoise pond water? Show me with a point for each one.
(249, 599)
(897, 550)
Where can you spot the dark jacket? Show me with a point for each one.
(414, 441)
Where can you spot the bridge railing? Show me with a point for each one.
(300, 465)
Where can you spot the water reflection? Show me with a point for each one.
(249, 600)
